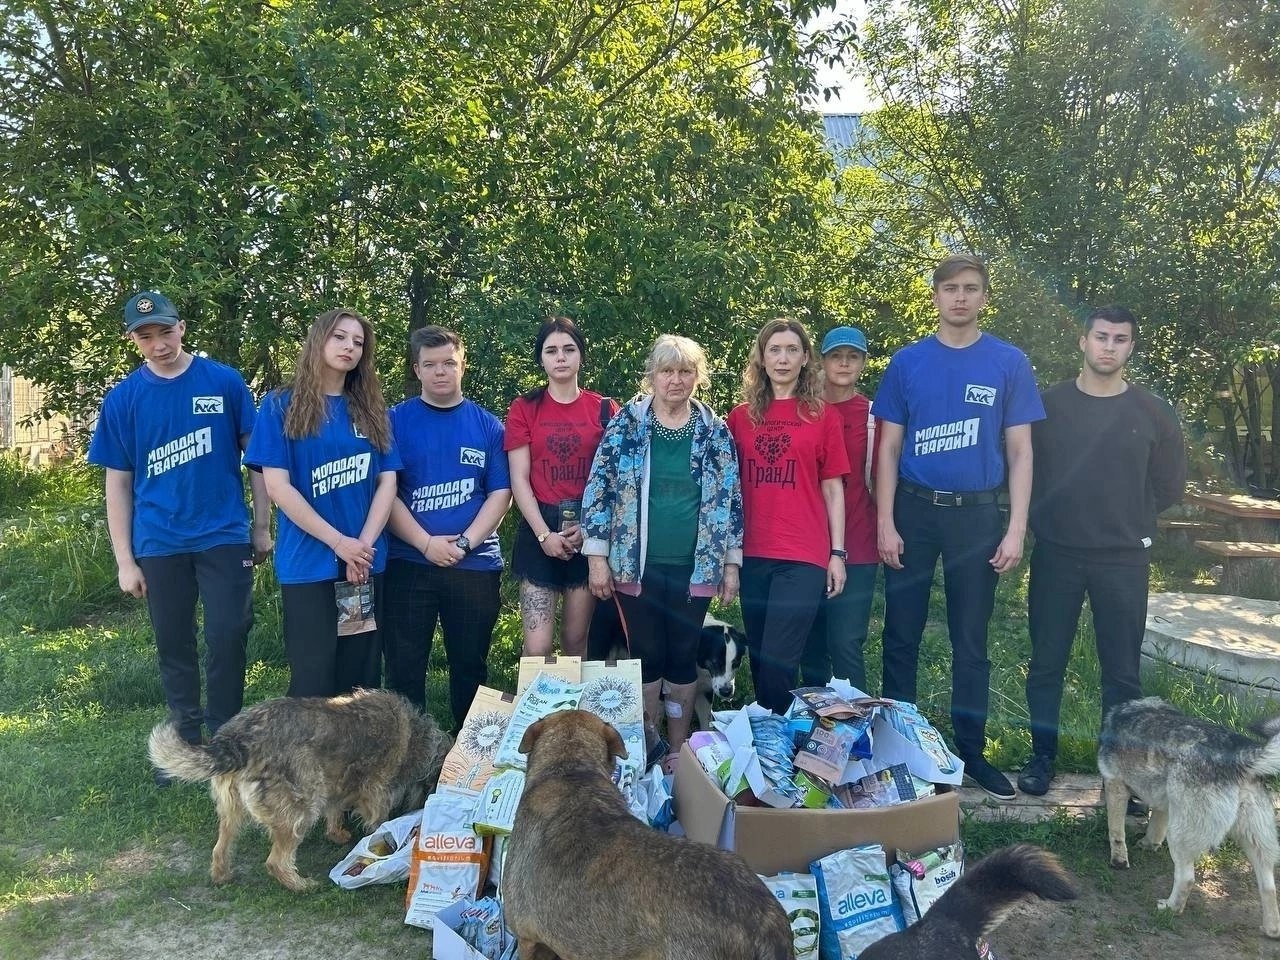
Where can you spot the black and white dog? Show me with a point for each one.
(720, 652)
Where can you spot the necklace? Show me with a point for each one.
(663, 432)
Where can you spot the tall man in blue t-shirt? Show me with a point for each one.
(445, 560)
(954, 408)
(170, 436)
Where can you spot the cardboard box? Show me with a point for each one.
(775, 840)
(446, 944)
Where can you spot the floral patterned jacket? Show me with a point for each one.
(614, 504)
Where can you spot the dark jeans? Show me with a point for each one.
(839, 631)
(665, 624)
(1118, 599)
(466, 604)
(779, 601)
(222, 579)
(321, 663)
(966, 538)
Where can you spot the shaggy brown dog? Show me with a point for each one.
(287, 762)
(584, 879)
(976, 904)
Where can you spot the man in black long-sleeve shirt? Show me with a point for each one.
(1109, 457)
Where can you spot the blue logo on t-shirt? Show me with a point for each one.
(977, 393)
(471, 457)
(206, 405)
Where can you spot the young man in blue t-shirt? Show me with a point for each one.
(445, 560)
(170, 437)
(954, 409)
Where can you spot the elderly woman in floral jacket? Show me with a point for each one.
(662, 521)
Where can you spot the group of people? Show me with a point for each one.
(647, 510)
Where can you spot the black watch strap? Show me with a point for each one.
(842, 554)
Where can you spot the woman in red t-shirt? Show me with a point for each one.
(551, 437)
(792, 458)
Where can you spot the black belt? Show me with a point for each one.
(949, 498)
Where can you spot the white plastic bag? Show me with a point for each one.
(381, 857)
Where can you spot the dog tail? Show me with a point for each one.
(1267, 759)
(983, 896)
(190, 762)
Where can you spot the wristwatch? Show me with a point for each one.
(463, 544)
(543, 536)
(842, 554)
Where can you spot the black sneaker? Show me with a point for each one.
(1135, 808)
(161, 778)
(995, 783)
(1036, 775)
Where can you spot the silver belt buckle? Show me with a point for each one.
(942, 493)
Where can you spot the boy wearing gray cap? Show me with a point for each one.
(839, 631)
(170, 436)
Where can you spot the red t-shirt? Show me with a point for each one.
(859, 505)
(562, 440)
(783, 462)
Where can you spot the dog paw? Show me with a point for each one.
(339, 835)
(1146, 843)
(1119, 863)
(1272, 932)
(220, 877)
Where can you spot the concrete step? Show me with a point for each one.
(1233, 639)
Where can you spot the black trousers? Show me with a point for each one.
(665, 624)
(779, 601)
(1118, 599)
(839, 632)
(465, 602)
(321, 663)
(965, 538)
(221, 578)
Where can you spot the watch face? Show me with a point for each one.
(463, 544)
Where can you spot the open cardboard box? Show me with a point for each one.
(772, 840)
(447, 943)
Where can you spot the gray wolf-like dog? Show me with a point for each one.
(1201, 782)
(287, 762)
(584, 879)
(976, 904)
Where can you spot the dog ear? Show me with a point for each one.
(531, 736)
(614, 741)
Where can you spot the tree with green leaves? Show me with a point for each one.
(645, 165)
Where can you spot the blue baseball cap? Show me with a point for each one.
(844, 337)
(149, 307)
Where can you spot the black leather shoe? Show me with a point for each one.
(161, 779)
(1036, 775)
(1135, 808)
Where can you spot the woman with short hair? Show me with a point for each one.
(662, 516)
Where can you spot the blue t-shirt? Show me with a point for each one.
(954, 405)
(180, 438)
(453, 460)
(336, 472)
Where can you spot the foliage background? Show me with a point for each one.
(646, 166)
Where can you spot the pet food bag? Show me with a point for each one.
(920, 879)
(798, 894)
(470, 761)
(568, 669)
(381, 857)
(611, 690)
(856, 905)
(545, 696)
(448, 861)
(496, 809)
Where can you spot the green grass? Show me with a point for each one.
(88, 842)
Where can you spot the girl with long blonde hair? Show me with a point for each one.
(325, 450)
(793, 462)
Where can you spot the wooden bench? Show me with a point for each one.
(1185, 532)
(1248, 519)
(1248, 569)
